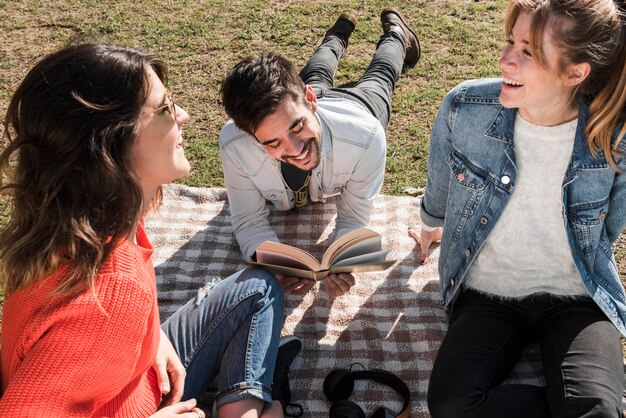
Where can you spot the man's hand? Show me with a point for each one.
(170, 371)
(337, 284)
(425, 240)
(295, 285)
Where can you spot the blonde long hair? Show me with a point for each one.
(591, 31)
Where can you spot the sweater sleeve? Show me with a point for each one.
(82, 354)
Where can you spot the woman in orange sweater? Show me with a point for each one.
(92, 133)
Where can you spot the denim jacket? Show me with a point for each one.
(472, 173)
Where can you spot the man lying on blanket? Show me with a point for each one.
(293, 140)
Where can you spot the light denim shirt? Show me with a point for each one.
(472, 173)
(352, 167)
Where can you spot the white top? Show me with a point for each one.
(528, 252)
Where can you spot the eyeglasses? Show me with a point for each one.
(169, 106)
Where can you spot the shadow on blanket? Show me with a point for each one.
(391, 320)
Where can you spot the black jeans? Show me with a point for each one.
(374, 89)
(580, 350)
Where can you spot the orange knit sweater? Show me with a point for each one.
(90, 356)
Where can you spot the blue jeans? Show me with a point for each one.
(580, 351)
(374, 89)
(231, 335)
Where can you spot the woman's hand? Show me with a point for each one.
(295, 285)
(185, 409)
(170, 372)
(338, 284)
(425, 240)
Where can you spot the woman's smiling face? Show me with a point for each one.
(158, 156)
(539, 92)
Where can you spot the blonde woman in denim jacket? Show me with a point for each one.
(527, 192)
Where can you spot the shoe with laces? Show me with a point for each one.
(343, 27)
(391, 19)
(288, 349)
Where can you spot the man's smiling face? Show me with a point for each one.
(293, 134)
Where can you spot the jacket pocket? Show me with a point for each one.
(335, 185)
(277, 197)
(467, 173)
(588, 223)
(468, 184)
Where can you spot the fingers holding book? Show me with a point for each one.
(295, 285)
(337, 284)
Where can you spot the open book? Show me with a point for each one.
(355, 252)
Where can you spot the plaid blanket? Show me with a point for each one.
(391, 320)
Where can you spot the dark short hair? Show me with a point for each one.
(256, 86)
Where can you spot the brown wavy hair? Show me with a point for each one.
(66, 168)
(591, 31)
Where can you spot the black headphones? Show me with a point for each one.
(339, 384)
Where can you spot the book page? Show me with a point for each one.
(370, 240)
(321, 274)
(285, 255)
(362, 268)
(295, 272)
(368, 258)
(366, 246)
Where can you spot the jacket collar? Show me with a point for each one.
(502, 129)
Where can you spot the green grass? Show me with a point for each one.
(202, 40)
